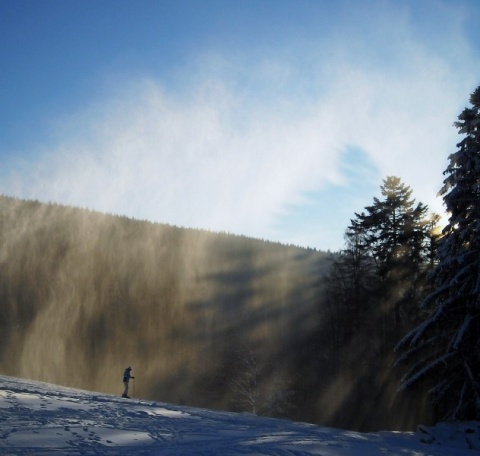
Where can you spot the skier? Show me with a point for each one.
(126, 379)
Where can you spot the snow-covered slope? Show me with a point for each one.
(38, 418)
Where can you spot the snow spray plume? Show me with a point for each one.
(86, 294)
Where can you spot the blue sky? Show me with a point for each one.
(276, 119)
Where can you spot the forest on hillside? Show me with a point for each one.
(381, 335)
(84, 294)
(205, 319)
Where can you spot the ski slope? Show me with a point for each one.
(41, 419)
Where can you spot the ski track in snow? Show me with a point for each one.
(42, 419)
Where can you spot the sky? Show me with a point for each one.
(275, 119)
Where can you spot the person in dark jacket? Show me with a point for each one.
(126, 378)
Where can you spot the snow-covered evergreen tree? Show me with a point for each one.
(445, 347)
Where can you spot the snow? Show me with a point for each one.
(42, 419)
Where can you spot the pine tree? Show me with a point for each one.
(445, 347)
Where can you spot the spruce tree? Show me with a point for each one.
(395, 235)
(394, 227)
(445, 347)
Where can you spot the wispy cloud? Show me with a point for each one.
(241, 141)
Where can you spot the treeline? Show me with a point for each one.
(205, 319)
(85, 294)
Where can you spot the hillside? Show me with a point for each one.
(85, 294)
(39, 418)
(205, 319)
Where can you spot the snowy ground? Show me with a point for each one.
(38, 418)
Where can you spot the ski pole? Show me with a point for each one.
(133, 387)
